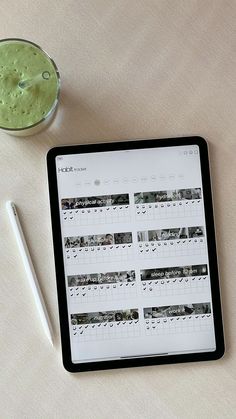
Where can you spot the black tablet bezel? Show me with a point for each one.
(59, 263)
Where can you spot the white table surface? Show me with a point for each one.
(130, 69)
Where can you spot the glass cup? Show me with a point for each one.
(29, 87)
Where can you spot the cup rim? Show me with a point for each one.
(55, 103)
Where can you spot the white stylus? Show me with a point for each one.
(29, 269)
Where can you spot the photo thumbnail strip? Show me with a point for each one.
(167, 195)
(107, 239)
(170, 234)
(105, 316)
(177, 310)
(173, 272)
(101, 278)
(94, 201)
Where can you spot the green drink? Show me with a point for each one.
(29, 87)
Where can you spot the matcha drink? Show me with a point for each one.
(29, 87)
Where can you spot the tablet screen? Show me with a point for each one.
(135, 253)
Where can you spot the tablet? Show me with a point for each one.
(135, 253)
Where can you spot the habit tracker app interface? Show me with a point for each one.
(135, 253)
